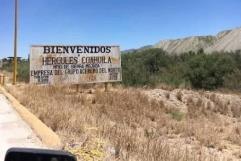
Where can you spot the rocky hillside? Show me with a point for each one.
(186, 44)
(228, 40)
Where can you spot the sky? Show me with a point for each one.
(128, 23)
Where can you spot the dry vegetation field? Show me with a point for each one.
(139, 124)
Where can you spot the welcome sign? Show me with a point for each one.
(55, 64)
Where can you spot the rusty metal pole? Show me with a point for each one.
(15, 63)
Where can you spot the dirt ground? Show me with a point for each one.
(139, 124)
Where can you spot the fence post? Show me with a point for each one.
(3, 80)
(77, 88)
(106, 87)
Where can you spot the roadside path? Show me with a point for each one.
(14, 132)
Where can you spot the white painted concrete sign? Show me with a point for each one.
(74, 64)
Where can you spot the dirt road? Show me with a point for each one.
(14, 132)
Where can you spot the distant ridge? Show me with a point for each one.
(228, 40)
(139, 49)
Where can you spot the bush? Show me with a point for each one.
(208, 71)
(22, 70)
(233, 81)
(199, 70)
(151, 67)
(140, 68)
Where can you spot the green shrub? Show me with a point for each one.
(8, 67)
(177, 115)
(23, 71)
(140, 68)
(233, 81)
(199, 70)
(208, 71)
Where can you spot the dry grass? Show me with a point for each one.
(124, 124)
(235, 136)
(179, 95)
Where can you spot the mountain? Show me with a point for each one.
(186, 44)
(139, 49)
(228, 40)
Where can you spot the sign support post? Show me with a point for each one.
(77, 88)
(106, 87)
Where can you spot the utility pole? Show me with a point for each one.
(15, 61)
